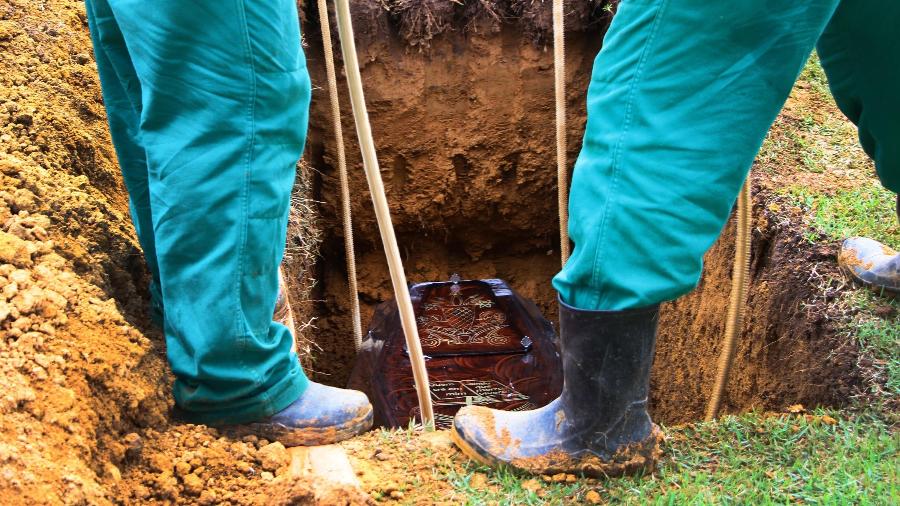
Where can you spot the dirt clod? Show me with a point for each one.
(182, 469)
(273, 456)
(592, 497)
(13, 250)
(531, 485)
(193, 484)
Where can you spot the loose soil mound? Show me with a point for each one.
(84, 417)
(466, 139)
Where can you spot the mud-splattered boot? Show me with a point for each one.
(599, 425)
(872, 264)
(322, 415)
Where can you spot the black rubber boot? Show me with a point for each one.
(872, 264)
(599, 426)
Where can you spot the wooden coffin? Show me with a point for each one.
(483, 343)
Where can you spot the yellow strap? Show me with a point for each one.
(342, 172)
(562, 177)
(739, 287)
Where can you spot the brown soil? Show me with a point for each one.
(465, 136)
(789, 350)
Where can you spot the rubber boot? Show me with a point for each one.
(599, 426)
(872, 264)
(322, 415)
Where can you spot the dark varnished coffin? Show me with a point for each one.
(484, 344)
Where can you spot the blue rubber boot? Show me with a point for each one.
(599, 426)
(322, 415)
(872, 264)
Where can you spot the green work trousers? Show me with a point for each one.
(208, 107)
(682, 95)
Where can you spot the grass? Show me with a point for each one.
(867, 210)
(813, 137)
(878, 337)
(814, 75)
(824, 457)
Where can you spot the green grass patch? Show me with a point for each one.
(822, 458)
(814, 74)
(868, 211)
(813, 137)
(881, 339)
(878, 335)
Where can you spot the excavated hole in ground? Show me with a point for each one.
(465, 138)
(788, 351)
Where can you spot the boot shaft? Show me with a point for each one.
(607, 356)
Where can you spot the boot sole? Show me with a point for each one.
(877, 290)
(306, 436)
(471, 452)
(644, 456)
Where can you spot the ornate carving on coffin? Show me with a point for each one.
(460, 318)
(485, 345)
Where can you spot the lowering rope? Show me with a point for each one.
(382, 211)
(739, 286)
(342, 171)
(559, 73)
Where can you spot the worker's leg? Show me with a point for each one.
(225, 97)
(860, 51)
(122, 98)
(681, 97)
(682, 94)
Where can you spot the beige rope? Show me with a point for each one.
(559, 67)
(739, 286)
(342, 172)
(382, 211)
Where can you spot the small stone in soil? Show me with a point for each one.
(273, 456)
(133, 445)
(193, 484)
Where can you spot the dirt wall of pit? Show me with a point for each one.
(465, 136)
